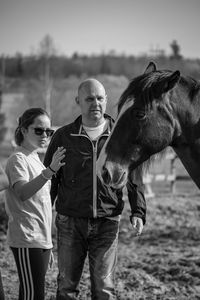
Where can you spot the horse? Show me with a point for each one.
(159, 108)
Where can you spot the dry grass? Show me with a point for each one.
(164, 263)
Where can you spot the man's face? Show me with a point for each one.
(92, 100)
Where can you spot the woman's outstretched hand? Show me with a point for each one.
(57, 158)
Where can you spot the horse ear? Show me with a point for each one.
(171, 81)
(150, 68)
(166, 84)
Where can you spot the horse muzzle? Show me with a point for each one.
(114, 175)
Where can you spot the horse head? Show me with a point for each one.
(146, 124)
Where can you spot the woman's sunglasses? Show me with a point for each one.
(40, 131)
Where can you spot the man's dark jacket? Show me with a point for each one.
(79, 191)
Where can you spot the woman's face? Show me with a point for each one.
(34, 137)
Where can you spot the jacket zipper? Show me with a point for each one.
(94, 148)
(94, 180)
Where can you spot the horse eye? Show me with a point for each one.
(140, 115)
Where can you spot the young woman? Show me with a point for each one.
(28, 202)
(3, 185)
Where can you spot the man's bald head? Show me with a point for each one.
(92, 100)
(88, 84)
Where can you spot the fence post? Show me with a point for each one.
(173, 173)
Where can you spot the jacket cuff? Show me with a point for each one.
(139, 216)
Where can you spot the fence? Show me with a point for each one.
(171, 177)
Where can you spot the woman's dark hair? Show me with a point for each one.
(26, 120)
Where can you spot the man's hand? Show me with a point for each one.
(137, 224)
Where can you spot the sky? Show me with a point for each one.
(131, 27)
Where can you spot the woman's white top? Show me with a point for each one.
(30, 221)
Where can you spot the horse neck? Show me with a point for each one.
(190, 158)
(187, 142)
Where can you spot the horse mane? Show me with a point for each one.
(142, 86)
(192, 85)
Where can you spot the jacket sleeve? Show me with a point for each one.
(135, 189)
(47, 161)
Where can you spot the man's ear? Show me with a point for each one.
(106, 97)
(77, 100)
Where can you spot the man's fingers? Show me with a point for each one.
(137, 225)
(134, 222)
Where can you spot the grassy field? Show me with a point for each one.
(164, 263)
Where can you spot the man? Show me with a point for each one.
(88, 212)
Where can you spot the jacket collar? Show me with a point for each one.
(80, 129)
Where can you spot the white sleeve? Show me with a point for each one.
(17, 168)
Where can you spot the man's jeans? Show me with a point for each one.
(78, 237)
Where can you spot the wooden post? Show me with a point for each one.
(173, 173)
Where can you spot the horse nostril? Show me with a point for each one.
(105, 175)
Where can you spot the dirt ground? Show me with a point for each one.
(164, 263)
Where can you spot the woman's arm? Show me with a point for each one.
(26, 190)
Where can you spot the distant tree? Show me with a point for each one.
(104, 68)
(47, 50)
(176, 49)
(3, 69)
(75, 55)
(19, 64)
(3, 129)
(47, 46)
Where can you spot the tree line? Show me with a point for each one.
(50, 80)
(62, 67)
(48, 63)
